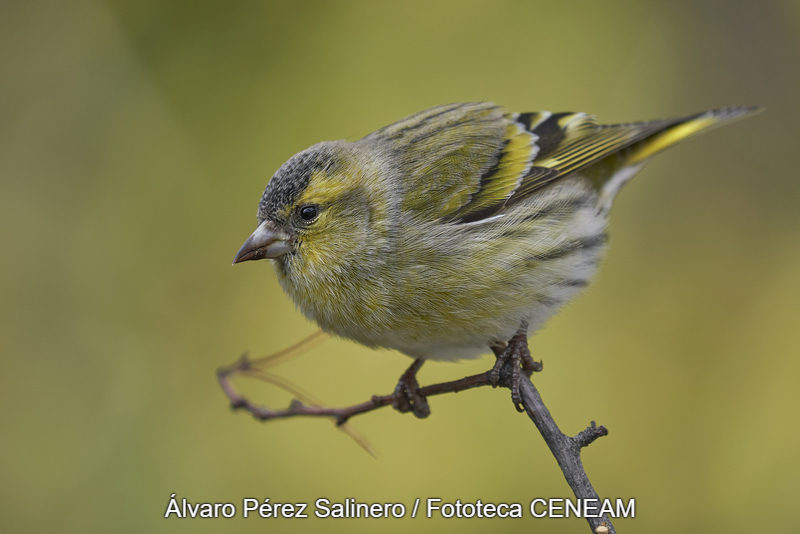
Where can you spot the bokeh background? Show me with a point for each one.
(136, 137)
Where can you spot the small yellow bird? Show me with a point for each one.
(454, 230)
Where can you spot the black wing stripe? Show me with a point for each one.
(550, 133)
(525, 119)
(580, 144)
(491, 171)
(572, 164)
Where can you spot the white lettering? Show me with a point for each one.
(172, 507)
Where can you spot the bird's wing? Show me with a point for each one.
(570, 142)
(466, 162)
(575, 142)
(456, 159)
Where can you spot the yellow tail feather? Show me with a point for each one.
(690, 126)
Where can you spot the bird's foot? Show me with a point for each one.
(521, 361)
(406, 397)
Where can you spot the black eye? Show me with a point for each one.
(308, 213)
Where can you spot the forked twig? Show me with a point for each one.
(255, 368)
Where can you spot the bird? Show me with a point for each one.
(455, 231)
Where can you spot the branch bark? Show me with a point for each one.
(565, 449)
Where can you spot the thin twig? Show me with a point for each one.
(566, 450)
(254, 368)
(341, 415)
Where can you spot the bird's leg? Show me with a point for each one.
(517, 351)
(406, 397)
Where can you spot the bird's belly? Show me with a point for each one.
(458, 319)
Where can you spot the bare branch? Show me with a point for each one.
(565, 449)
(341, 415)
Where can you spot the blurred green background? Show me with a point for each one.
(136, 138)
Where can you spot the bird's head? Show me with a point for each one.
(321, 208)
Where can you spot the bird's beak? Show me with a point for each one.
(267, 241)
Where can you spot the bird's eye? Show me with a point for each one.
(308, 213)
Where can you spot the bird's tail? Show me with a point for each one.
(615, 171)
(684, 128)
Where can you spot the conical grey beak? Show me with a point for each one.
(266, 242)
